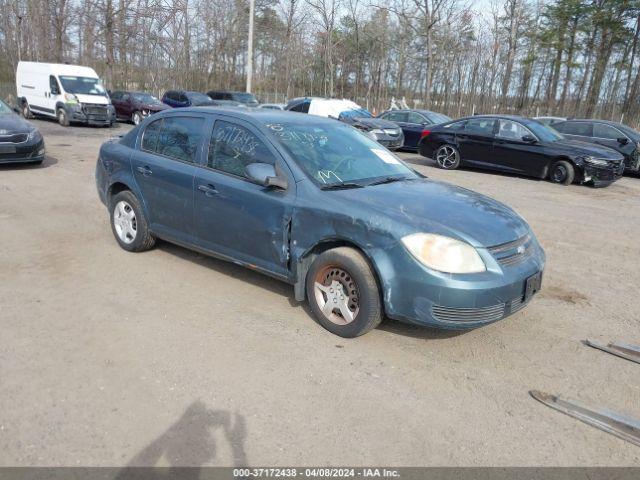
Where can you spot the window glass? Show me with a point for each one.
(332, 152)
(116, 95)
(577, 128)
(126, 97)
(602, 130)
(82, 85)
(301, 107)
(480, 126)
(395, 116)
(150, 136)
(456, 125)
(413, 117)
(438, 117)
(53, 85)
(179, 138)
(233, 147)
(512, 130)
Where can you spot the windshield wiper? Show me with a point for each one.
(389, 180)
(341, 186)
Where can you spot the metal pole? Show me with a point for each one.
(250, 47)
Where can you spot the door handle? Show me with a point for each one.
(209, 190)
(146, 171)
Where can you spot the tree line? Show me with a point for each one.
(556, 57)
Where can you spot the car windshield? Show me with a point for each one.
(335, 154)
(198, 98)
(4, 108)
(438, 117)
(146, 98)
(245, 97)
(82, 85)
(543, 132)
(355, 113)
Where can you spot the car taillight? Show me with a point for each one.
(425, 133)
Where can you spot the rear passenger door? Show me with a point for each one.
(164, 169)
(234, 216)
(413, 127)
(475, 141)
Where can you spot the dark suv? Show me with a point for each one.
(135, 106)
(519, 145)
(182, 98)
(614, 135)
(245, 98)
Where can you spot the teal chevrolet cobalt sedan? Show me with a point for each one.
(318, 204)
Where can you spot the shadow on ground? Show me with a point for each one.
(189, 444)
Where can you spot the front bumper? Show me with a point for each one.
(418, 295)
(90, 114)
(390, 141)
(602, 176)
(26, 152)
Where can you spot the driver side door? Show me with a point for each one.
(234, 216)
(513, 154)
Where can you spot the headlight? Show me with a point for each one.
(70, 98)
(376, 131)
(443, 253)
(34, 134)
(598, 162)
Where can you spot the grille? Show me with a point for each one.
(95, 110)
(462, 315)
(516, 304)
(14, 138)
(513, 253)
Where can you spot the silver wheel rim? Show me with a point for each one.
(136, 118)
(124, 222)
(61, 116)
(447, 156)
(336, 294)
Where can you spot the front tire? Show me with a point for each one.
(447, 157)
(343, 293)
(62, 117)
(128, 223)
(136, 118)
(562, 172)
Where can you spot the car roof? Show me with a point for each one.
(260, 115)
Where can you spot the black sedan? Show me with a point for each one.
(413, 123)
(20, 141)
(520, 145)
(614, 135)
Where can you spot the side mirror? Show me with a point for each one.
(623, 140)
(265, 174)
(529, 139)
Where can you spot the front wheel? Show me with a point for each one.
(136, 118)
(129, 224)
(62, 117)
(343, 292)
(562, 172)
(448, 157)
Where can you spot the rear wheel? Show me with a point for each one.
(562, 172)
(343, 292)
(448, 157)
(62, 117)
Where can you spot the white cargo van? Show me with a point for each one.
(70, 93)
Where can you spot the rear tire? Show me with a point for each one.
(447, 157)
(342, 280)
(62, 117)
(562, 172)
(128, 223)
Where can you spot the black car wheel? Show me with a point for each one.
(136, 118)
(129, 224)
(26, 111)
(343, 292)
(62, 117)
(448, 157)
(562, 172)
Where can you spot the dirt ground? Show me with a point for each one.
(171, 358)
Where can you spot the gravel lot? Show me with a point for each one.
(172, 358)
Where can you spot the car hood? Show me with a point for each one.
(371, 123)
(12, 123)
(430, 206)
(576, 147)
(95, 99)
(155, 107)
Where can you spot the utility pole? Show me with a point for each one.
(250, 47)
